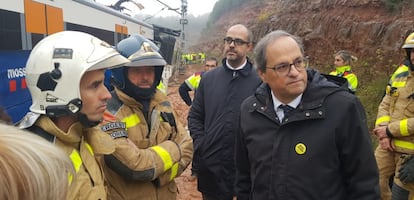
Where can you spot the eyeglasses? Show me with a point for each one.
(237, 42)
(210, 65)
(284, 68)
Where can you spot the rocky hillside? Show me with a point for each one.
(368, 28)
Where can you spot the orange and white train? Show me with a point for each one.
(23, 23)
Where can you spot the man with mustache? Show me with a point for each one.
(213, 119)
(161, 147)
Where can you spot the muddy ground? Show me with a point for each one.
(186, 185)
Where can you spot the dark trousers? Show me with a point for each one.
(205, 197)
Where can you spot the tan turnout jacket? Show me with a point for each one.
(82, 145)
(396, 110)
(144, 165)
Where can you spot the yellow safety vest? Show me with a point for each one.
(345, 71)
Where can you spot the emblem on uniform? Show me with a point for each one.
(300, 148)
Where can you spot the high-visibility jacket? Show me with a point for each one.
(83, 146)
(161, 151)
(345, 71)
(190, 84)
(396, 110)
(162, 88)
(194, 80)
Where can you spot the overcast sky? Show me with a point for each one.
(153, 7)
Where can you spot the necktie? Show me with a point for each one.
(286, 110)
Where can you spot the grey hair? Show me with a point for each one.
(260, 49)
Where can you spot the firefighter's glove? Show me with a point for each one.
(406, 172)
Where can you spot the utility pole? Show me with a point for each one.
(183, 20)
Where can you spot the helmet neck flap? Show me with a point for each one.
(408, 52)
(408, 46)
(139, 94)
(142, 53)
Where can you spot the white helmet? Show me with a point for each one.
(56, 65)
(409, 42)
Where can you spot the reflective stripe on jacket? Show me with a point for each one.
(88, 183)
(193, 81)
(396, 109)
(159, 153)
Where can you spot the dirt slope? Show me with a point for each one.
(368, 28)
(187, 187)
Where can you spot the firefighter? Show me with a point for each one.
(343, 61)
(65, 77)
(162, 147)
(394, 127)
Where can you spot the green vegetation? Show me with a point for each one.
(393, 5)
(221, 7)
(372, 80)
(263, 17)
(370, 93)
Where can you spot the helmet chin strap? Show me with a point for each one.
(72, 108)
(83, 119)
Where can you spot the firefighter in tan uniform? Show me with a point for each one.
(162, 147)
(395, 128)
(65, 77)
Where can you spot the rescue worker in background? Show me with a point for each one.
(191, 83)
(343, 61)
(162, 147)
(65, 77)
(394, 128)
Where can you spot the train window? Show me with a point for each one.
(10, 31)
(104, 35)
(120, 36)
(36, 37)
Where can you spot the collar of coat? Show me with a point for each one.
(244, 71)
(317, 89)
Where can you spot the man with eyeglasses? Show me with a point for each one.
(301, 136)
(213, 119)
(192, 82)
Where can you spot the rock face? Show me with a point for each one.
(368, 28)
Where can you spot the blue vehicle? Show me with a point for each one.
(15, 96)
